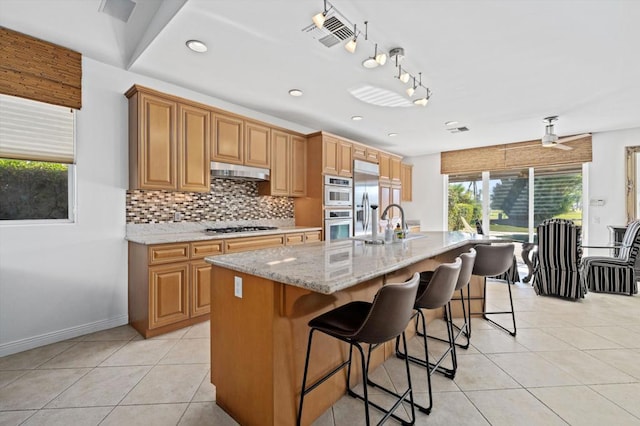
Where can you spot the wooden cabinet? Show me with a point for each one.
(385, 167)
(257, 145)
(236, 245)
(294, 239)
(373, 156)
(337, 157)
(168, 143)
(169, 285)
(406, 180)
(359, 152)
(193, 148)
(228, 139)
(395, 169)
(390, 194)
(168, 294)
(239, 141)
(313, 236)
(288, 160)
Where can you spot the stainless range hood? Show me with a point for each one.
(236, 171)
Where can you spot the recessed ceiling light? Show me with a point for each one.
(393, 135)
(356, 118)
(197, 46)
(450, 123)
(295, 92)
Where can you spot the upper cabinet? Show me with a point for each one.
(337, 156)
(288, 160)
(389, 167)
(406, 172)
(168, 143)
(227, 143)
(239, 141)
(257, 145)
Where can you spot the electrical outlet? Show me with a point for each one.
(237, 287)
(177, 216)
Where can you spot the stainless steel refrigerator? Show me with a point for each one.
(365, 195)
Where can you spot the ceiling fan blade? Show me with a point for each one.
(573, 138)
(562, 147)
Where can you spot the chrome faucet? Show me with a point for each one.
(383, 216)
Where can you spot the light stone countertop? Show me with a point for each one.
(201, 235)
(328, 267)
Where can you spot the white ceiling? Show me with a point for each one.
(497, 67)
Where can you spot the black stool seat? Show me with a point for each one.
(374, 323)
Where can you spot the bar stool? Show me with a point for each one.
(494, 260)
(436, 294)
(372, 323)
(468, 260)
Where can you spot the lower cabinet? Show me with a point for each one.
(170, 284)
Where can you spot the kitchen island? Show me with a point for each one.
(261, 302)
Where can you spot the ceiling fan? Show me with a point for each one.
(550, 139)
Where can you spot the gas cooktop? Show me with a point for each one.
(233, 229)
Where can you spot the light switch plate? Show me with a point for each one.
(237, 287)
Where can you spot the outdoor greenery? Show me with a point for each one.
(33, 190)
(462, 203)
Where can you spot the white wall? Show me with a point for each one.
(428, 193)
(606, 181)
(59, 281)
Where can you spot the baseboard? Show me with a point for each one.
(60, 335)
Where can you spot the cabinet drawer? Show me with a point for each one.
(167, 253)
(206, 248)
(294, 239)
(311, 237)
(236, 245)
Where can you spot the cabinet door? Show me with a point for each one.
(396, 194)
(345, 159)
(298, 187)
(385, 197)
(385, 167)
(227, 140)
(257, 147)
(372, 155)
(193, 149)
(280, 163)
(168, 294)
(359, 152)
(157, 166)
(200, 288)
(406, 180)
(395, 170)
(330, 155)
(313, 236)
(294, 239)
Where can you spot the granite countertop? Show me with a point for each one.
(201, 235)
(327, 267)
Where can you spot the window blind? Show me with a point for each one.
(36, 131)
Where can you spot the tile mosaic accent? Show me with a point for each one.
(228, 200)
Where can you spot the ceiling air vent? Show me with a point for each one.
(458, 129)
(336, 28)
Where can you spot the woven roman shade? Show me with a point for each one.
(513, 156)
(35, 69)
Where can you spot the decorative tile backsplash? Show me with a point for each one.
(229, 200)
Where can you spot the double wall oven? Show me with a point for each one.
(338, 205)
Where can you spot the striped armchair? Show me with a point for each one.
(618, 274)
(557, 260)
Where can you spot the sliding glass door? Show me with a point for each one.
(509, 206)
(464, 202)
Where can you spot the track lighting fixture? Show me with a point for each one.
(319, 18)
(352, 44)
(338, 30)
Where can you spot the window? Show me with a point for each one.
(36, 160)
(509, 215)
(558, 194)
(465, 202)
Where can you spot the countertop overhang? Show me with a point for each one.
(328, 267)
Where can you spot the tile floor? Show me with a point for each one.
(572, 363)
